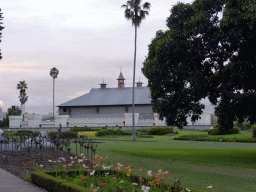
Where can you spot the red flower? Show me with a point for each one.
(103, 184)
(83, 178)
(101, 162)
(126, 165)
(168, 173)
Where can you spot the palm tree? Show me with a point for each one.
(54, 73)
(133, 11)
(22, 86)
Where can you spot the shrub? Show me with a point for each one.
(243, 126)
(143, 131)
(254, 131)
(112, 132)
(22, 133)
(80, 129)
(66, 134)
(161, 131)
(104, 128)
(216, 131)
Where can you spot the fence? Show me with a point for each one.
(32, 144)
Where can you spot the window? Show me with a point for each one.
(64, 110)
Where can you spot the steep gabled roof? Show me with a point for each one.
(111, 96)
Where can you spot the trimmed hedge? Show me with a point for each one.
(104, 132)
(80, 129)
(66, 134)
(161, 131)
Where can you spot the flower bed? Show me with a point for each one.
(102, 178)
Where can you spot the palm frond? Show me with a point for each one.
(124, 6)
(146, 6)
(128, 14)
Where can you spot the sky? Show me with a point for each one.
(87, 41)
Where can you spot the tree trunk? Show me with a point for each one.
(53, 99)
(133, 83)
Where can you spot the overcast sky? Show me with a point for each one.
(88, 41)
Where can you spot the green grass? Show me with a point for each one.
(198, 165)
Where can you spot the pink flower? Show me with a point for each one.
(93, 161)
(70, 165)
(140, 170)
(114, 178)
(168, 173)
(163, 179)
(135, 184)
(94, 166)
(64, 166)
(106, 157)
(154, 175)
(157, 176)
(94, 190)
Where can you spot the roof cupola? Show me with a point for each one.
(139, 84)
(103, 85)
(121, 81)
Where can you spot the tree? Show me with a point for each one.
(13, 111)
(188, 61)
(22, 86)
(1, 28)
(136, 12)
(54, 73)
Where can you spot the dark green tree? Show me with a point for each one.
(13, 111)
(135, 12)
(1, 28)
(200, 56)
(22, 86)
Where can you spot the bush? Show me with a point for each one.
(80, 129)
(63, 135)
(112, 132)
(104, 128)
(143, 131)
(216, 131)
(161, 131)
(243, 126)
(254, 131)
(22, 133)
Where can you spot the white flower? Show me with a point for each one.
(41, 165)
(50, 161)
(209, 187)
(149, 173)
(105, 167)
(107, 173)
(187, 189)
(91, 185)
(80, 160)
(81, 154)
(220, 140)
(92, 173)
(71, 157)
(121, 182)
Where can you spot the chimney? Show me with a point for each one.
(121, 81)
(139, 84)
(103, 85)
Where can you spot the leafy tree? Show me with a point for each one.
(136, 12)
(22, 86)
(13, 111)
(54, 73)
(1, 28)
(201, 55)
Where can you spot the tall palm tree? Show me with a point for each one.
(22, 86)
(133, 11)
(54, 73)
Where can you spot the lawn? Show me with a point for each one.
(225, 168)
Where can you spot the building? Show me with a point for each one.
(105, 106)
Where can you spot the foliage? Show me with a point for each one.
(143, 131)
(78, 129)
(186, 62)
(243, 126)
(13, 111)
(215, 138)
(54, 74)
(254, 131)
(22, 86)
(161, 131)
(66, 134)
(113, 132)
(4, 123)
(104, 128)
(25, 133)
(218, 131)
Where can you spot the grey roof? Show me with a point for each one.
(111, 96)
